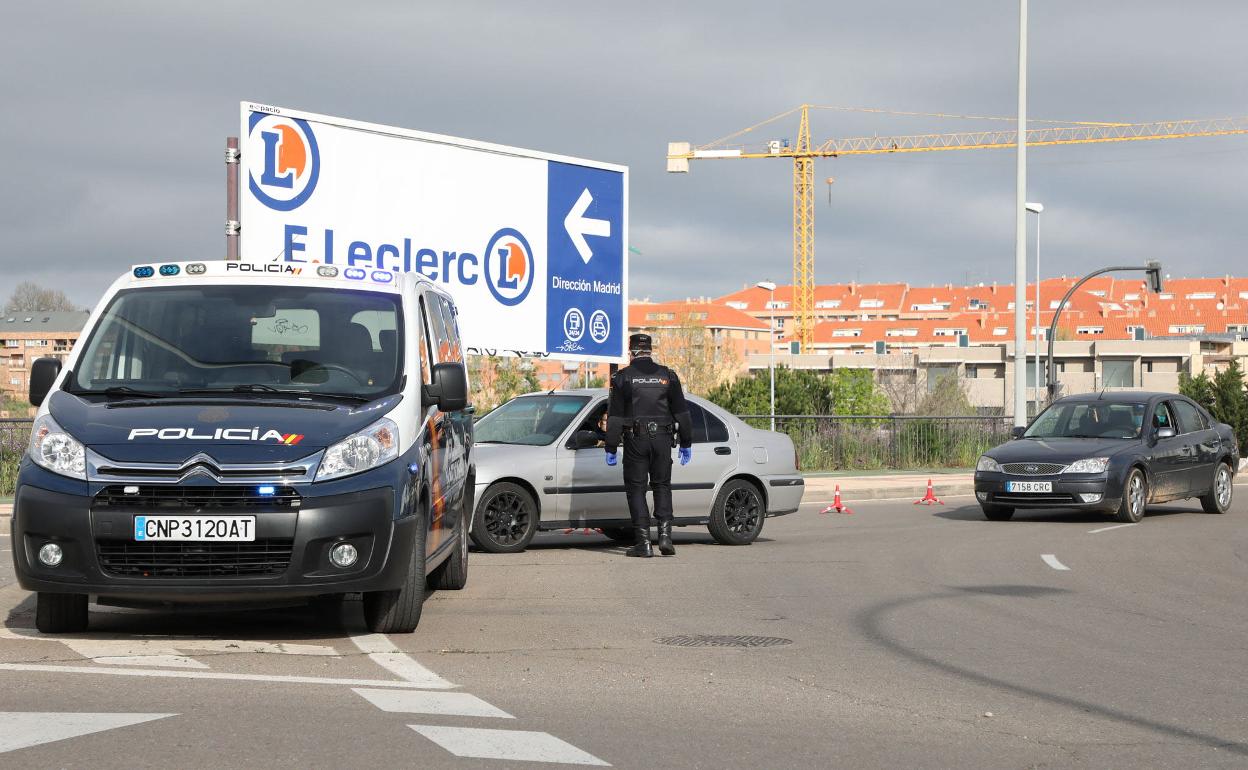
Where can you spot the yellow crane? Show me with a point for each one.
(803, 153)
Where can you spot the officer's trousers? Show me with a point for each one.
(648, 457)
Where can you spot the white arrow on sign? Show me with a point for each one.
(578, 225)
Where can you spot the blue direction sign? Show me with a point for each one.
(585, 302)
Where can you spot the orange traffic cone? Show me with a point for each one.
(837, 505)
(930, 497)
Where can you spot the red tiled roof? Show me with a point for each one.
(651, 315)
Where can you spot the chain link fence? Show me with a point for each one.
(893, 442)
(14, 436)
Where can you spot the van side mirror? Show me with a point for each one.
(43, 374)
(449, 389)
(1165, 432)
(1017, 431)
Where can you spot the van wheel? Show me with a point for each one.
(506, 519)
(1219, 498)
(452, 574)
(61, 613)
(738, 514)
(398, 611)
(1134, 498)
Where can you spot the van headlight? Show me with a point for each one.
(1088, 465)
(376, 445)
(986, 463)
(57, 451)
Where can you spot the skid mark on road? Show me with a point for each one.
(1052, 561)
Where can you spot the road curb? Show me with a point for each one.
(850, 494)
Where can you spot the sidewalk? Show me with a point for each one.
(884, 485)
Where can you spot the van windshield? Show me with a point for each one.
(231, 339)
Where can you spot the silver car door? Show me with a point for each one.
(589, 490)
(714, 454)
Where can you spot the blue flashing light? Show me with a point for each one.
(168, 270)
(383, 276)
(267, 490)
(144, 272)
(354, 273)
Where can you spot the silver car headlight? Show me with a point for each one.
(374, 446)
(1088, 465)
(986, 463)
(57, 451)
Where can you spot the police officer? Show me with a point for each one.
(647, 408)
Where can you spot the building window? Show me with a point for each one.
(871, 303)
(1090, 330)
(1166, 295)
(1118, 374)
(777, 305)
(937, 373)
(1054, 303)
(15, 380)
(948, 332)
(929, 306)
(828, 303)
(1201, 295)
(1187, 328)
(1000, 331)
(847, 332)
(901, 333)
(1097, 293)
(738, 305)
(1133, 297)
(1031, 374)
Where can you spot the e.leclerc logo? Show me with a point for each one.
(283, 174)
(509, 266)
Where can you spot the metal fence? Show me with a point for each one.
(898, 442)
(14, 436)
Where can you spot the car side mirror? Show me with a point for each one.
(1165, 432)
(1017, 431)
(43, 374)
(584, 439)
(449, 389)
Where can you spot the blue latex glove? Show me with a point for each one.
(686, 454)
(611, 458)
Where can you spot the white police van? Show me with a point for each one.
(229, 432)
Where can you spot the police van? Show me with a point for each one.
(230, 432)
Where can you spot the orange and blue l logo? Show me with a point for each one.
(284, 161)
(509, 266)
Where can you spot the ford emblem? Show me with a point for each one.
(1031, 468)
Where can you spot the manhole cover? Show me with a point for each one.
(707, 640)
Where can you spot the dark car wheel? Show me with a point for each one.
(398, 611)
(60, 613)
(619, 534)
(738, 514)
(506, 519)
(1219, 498)
(452, 574)
(1134, 498)
(997, 512)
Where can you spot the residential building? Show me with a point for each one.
(28, 335)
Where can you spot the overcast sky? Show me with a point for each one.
(115, 116)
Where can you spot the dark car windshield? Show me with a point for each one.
(1089, 419)
(537, 420)
(266, 340)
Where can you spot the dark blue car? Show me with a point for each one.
(1111, 452)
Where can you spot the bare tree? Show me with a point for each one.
(31, 297)
(702, 358)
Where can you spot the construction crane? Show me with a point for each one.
(803, 153)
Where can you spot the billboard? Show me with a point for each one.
(532, 246)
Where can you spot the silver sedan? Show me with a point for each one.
(541, 466)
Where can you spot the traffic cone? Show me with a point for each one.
(930, 497)
(582, 530)
(836, 505)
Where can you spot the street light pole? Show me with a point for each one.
(770, 286)
(1020, 230)
(1037, 208)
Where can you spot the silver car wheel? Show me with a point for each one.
(1137, 495)
(1222, 486)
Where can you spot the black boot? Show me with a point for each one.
(642, 546)
(665, 539)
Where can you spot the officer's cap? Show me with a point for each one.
(639, 343)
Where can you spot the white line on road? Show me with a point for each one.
(218, 675)
(1106, 529)
(22, 729)
(382, 651)
(459, 704)
(1052, 561)
(515, 745)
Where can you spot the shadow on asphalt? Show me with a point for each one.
(870, 622)
(548, 541)
(1057, 516)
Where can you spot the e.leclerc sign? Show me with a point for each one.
(531, 245)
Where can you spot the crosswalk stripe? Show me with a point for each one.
(459, 704)
(382, 651)
(514, 745)
(23, 729)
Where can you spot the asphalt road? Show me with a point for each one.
(914, 637)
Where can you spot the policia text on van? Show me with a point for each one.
(224, 435)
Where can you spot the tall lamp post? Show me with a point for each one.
(770, 287)
(1037, 208)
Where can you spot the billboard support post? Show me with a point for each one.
(231, 198)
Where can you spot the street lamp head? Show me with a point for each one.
(766, 285)
(1035, 208)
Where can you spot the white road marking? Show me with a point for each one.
(217, 675)
(514, 745)
(459, 704)
(21, 729)
(1106, 529)
(382, 651)
(1052, 561)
